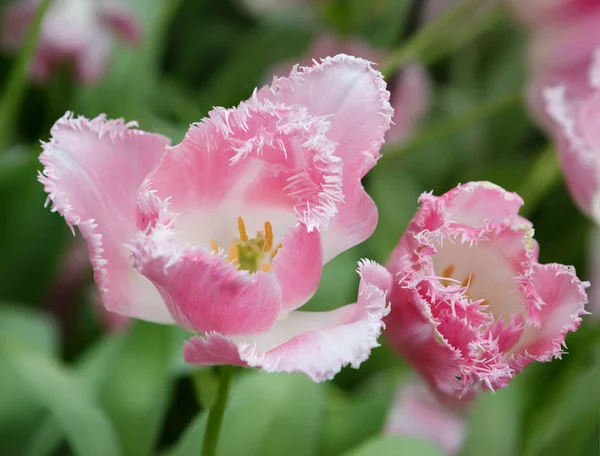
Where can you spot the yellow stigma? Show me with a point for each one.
(251, 254)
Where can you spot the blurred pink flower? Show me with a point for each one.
(410, 89)
(230, 229)
(577, 121)
(74, 32)
(471, 305)
(564, 35)
(417, 412)
(538, 12)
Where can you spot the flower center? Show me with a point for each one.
(251, 254)
(466, 283)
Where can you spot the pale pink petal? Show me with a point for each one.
(91, 62)
(92, 171)
(121, 20)
(357, 105)
(476, 203)
(564, 300)
(317, 344)
(540, 12)
(417, 412)
(577, 147)
(411, 100)
(298, 267)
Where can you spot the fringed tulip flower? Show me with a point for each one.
(576, 130)
(226, 233)
(471, 305)
(417, 412)
(77, 33)
(410, 89)
(564, 36)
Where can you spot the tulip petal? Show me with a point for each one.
(564, 298)
(417, 412)
(92, 171)
(298, 267)
(317, 344)
(352, 95)
(202, 291)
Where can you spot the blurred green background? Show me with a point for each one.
(69, 386)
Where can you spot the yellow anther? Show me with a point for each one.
(268, 237)
(468, 281)
(233, 254)
(242, 229)
(447, 273)
(276, 250)
(266, 267)
(214, 245)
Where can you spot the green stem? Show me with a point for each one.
(544, 174)
(215, 416)
(425, 37)
(452, 124)
(15, 87)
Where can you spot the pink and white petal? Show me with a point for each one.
(202, 291)
(298, 266)
(92, 171)
(565, 298)
(318, 344)
(580, 162)
(258, 158)
(475, 203)
(417, 412)
(122, 21)
(357, 106)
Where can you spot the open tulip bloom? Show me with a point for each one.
(226, 233)
(471, 305)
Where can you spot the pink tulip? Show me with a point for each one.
(74, 32)
(564, 35)
(229, 230)
(471, 305)
(576, 129)
(417, 412)
(411, 87)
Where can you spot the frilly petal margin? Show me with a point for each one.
(92, 172)
(564, 298)
(358, 107)
(318, 344)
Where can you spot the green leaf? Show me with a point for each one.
(567, 420)
(395, 446)
(88, 430)
(137, 386)
(19, 412)
(266, 414)
(28, 257)
(353, 418)
(494, 423)
(131, 376)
